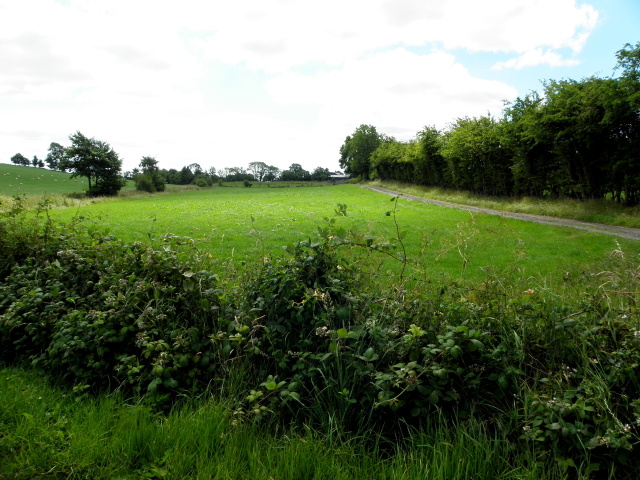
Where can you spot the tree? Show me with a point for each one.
(629, 63)
(55, 156)
(430, 166)
(259, 170)
(196, 169)
(186, 176)
(355, 153)
(295, 173)
(151, 179)
(388, 162)
(238, 174)
(20, 159)
(320, 174)
(476, 157)
(96, 160)
(273, 173)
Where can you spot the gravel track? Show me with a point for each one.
(624, 232)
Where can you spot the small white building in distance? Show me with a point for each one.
(338, 176)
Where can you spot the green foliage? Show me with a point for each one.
(477, 157)
(47, 434)
(152, 179)
(102, 313)
(295, 173)
(144, 183)
(578, 139)
(96, 160)
(355, 152)
(20, 159)
(55, 155)
(202, 181)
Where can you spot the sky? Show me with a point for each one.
(226, 83)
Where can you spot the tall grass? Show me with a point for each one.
(48, 432)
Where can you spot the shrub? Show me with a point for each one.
(203, 181)
(99, 313)
(144, 183)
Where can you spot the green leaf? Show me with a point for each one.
(153, 385)
(206, 306)
(370, 354)
(455, 351)
(475, 344)
(295, 396)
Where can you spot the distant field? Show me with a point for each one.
(18, 180)
(244, 224)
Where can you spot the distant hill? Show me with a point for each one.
(17, 180)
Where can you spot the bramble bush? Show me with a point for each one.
(307, 338)
(99, 313)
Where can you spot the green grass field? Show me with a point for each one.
(246, 224)
(19, 180)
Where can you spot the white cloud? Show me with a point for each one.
(224, 83)
(397, 91)
(536, 57)
(336, 32)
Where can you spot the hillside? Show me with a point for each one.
(17, 180)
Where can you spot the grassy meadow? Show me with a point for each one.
(32, 181)
(247, 224)
(170, 336)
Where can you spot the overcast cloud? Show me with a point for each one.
(280, 81)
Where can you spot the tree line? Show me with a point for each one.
(194, 174)
(102, 166)
(577, 139)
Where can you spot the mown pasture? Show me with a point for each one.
(246, 224)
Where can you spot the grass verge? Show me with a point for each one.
(596, 211)
(48, 432)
